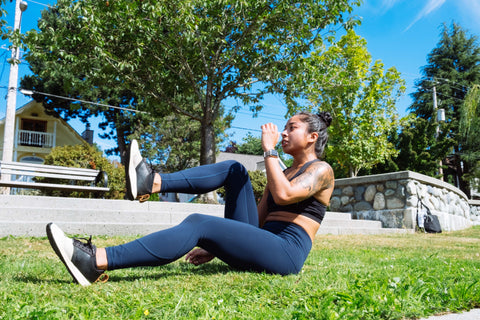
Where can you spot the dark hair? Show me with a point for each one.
(317, 123)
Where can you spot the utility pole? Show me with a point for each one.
(20, 7)
(437, 132)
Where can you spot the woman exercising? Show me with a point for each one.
(275, 236)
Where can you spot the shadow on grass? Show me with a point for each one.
(175, 270)
(132, 274)
(38, 280)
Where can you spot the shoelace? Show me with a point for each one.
(89, 248)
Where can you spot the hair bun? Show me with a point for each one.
(326, 117)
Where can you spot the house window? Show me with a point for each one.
(33, 133)
(34, 125)
(32, 159)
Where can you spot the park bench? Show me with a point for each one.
(65, 178)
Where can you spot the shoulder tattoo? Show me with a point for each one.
(316, 178)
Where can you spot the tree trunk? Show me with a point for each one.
(207, 151)
(207, 156)
(122, 148)
(351, 172)
(461, 170)
(207, 148)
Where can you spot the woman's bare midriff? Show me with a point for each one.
(309, 225)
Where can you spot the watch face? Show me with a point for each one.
(271, 153)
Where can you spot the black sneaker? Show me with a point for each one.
(138, 174)
(77, 256)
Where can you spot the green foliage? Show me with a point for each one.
(259, 182)
(415, 145)
(250, 145)
(470, 131)
(180, 55)
(62, 67)
(88, 157)
(361, 97)
(344, 277)
(453, 68)
(3, 13)
(172, 143)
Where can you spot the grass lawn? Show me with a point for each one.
(345, 277)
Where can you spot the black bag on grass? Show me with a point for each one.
(431, 224)
(426, 220)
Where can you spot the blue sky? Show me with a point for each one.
(400, 33)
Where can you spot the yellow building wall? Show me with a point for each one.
(64, 134)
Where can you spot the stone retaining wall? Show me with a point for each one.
(392, 198)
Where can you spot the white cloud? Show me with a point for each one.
(431, 6)
(378, 7)
(387, 4)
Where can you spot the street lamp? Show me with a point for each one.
(20, 7)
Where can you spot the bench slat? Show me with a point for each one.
(49, 171)
(48, 168)
(39, 185)
(48, 175)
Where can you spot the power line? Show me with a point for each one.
(246, 129)
(30, 92)
(42, 4)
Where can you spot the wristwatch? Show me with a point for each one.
(271, 153)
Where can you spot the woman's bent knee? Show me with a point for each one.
(195, 218)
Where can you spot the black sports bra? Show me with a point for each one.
(309, 207)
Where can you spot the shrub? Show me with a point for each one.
(87, 157)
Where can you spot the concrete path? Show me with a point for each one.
(473, 314)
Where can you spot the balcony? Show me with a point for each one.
(35, 139)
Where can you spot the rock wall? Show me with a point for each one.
(392, 198)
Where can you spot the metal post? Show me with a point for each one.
(437, 132)
(8, 137)
(20, 6)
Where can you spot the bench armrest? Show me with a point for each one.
(102, 176)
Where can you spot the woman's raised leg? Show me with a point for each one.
(240, 202)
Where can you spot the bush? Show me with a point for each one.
(87, 157)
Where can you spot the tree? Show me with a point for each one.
(52, 74)
(470, 131)
(415, 147)
(361, 97)
(173, 142)
(250, 145)
(177, 55)
(453, 67)
(3, 13)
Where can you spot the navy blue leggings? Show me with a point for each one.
(278, 247)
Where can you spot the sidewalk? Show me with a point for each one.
(473, 314)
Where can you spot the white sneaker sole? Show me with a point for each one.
(57, 239)
(134, 160)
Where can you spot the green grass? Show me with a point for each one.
(345, 277)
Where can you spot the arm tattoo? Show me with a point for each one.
(316, 178)
(305, 181)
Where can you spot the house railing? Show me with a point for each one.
(35, 139)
